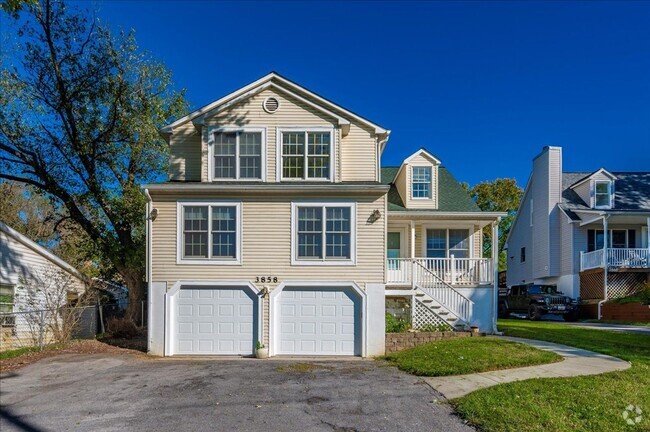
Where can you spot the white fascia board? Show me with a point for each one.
(287, 86)
(589, 177)
(434, 160)
(440, 215)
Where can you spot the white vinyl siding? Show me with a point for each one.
(209, 233)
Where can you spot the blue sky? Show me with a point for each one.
(484, 86)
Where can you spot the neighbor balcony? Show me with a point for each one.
(454, 271)
(631, 258)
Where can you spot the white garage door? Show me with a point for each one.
(215, 321)
(319, 321)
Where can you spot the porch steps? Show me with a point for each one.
(440, 310)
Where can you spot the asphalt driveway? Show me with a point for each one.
(108, 392)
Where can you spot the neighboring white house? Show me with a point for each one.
(585, 232)
(21, 259)
(279, 225)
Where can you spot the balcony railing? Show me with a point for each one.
(615, 257)
(454, 271)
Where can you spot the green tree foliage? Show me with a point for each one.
(500, 195)
(80, 109)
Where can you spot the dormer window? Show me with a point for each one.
(421, 182)
(603, 194)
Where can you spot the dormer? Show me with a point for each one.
(597, 189)
(417, 180)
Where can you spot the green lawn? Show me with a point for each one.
(468, 355)
(590, 403)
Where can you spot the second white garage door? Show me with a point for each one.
(211, 320)
(319, 321)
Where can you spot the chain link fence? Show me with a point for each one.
(42, 327)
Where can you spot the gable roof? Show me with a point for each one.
(10, 232)
(451, 195)
(275, 80)
(632, 191)
(588, 176)
(423, 152)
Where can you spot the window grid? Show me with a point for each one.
(421, 182)
(602, 194)
(209, 232)
(7, 298)
(237, 155)
(329, 242)
(306, 155)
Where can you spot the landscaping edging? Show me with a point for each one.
(396, 342)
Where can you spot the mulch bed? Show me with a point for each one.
(73, 347)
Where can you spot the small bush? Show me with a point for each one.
(122, 328)
(396, 325)
(642, 296)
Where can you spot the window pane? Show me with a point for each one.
(310, 234)
(196, 218)
(619, 238)
(250, 155)
(293, 167)
(394, 240)
(459, 243)
(224, 154)
(195, 234)
(436, 243)
(318, 143)
(422, 174)
(421, 190)
(224, 232)
(602, 200)
(338, 232)
(310, 219)
(196, 245)
(318, 167)
(602, 187)
(293, 143)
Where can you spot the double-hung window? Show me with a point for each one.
(306, 155)
(209, 233)
(421, 182)
(323, 233)
(237, 155)
(602, 194)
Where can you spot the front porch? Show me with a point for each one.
(453, 271)
(615, 258)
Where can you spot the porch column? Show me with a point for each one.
(605, 262)
(647, 224)
(412, 243)
(495, 273)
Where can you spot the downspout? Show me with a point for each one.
(495, 274)
(149, 264)
(605, 264)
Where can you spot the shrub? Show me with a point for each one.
(122, 328)
(396, 325)
(435, 328)
(641, 296)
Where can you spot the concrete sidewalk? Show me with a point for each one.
(623, 328)
(576, 362)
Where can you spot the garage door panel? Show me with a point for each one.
(327, 322)
(213, 320)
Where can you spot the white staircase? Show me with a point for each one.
(437, 303)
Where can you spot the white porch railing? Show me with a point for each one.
(615, 257)
(454, 271)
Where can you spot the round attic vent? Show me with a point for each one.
(271, 104)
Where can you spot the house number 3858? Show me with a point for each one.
(265, 279)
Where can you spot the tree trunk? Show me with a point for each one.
(136, 285)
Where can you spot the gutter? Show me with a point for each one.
(281, 188)
(429, 213)
(149, 263)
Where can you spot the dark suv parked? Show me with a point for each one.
(537, 300)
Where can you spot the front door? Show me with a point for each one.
(395, 266)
